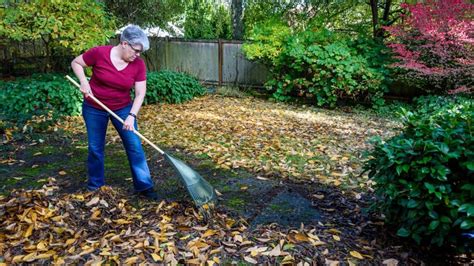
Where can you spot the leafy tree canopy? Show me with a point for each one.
(145, 12)
(207, 19)
(77, 25)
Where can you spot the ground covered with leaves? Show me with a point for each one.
(289, 177)
(274, 139)
(107, 226)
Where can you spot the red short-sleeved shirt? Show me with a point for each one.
(110, 86)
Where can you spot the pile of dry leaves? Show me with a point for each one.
(103, 227)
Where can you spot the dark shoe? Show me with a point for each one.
(150, 194)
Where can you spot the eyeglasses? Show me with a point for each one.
(137, 51)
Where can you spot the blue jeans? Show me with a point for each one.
(96, 124)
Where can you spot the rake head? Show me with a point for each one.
(201, 191)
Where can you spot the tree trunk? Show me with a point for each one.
(237, 23)
(375, 16)
(378, 31)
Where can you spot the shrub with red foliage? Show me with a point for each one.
(434, 45)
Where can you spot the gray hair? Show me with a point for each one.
(134, 35)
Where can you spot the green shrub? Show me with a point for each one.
(424, 175)
(39, 94)
(171, 87)
(318, 64)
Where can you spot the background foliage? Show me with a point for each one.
(434, 46)
(145, 12)
(319, 64)
(171, 87)
(61, 25)
(40, 92)
(207, 20)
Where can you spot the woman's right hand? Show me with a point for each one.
(86, 89)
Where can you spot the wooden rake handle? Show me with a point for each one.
(116, 116)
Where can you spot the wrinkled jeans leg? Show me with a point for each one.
(136, 156)
(96, 123)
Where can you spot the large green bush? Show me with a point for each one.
(318, 64)
(424, 176)
(39, 93)
(171, 87)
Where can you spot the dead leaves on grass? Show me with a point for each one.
(269, 138)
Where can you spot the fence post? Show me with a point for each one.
(220, 59)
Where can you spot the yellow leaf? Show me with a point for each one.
(209, 232)
(62, 173)
(59, 261)
(301, 237)
(41, 246)
(30, 257)
(131, 260)
(122, 221)
(288, 259)
(78, 197)
(95, 215)
(214, 251)
(69, 241)
(238, 238)
(87, 251)
(29, 231)
(44, 255)
(17, 258)
(185, 237)
(156, 257)
(336, 237)
(193, 261)
(216, 260)
(105, 253)
(356, 254)
(334, 231)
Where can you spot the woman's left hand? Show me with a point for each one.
(129, 123)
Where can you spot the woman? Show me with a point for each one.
(116, 69)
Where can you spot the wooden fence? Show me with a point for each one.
(211, 61)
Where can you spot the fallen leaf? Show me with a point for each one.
(93, 201)
(356, 254)
(156, 257)
(131, 260)
(390, 262)
(250, 260)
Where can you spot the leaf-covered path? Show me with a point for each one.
(288, 177)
